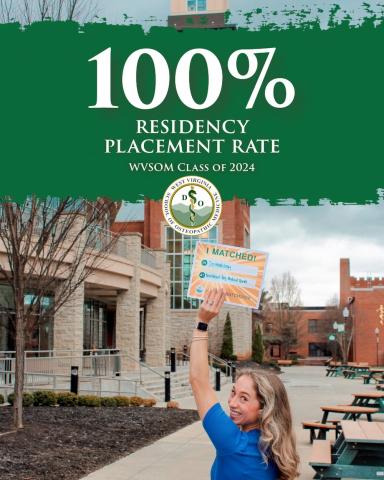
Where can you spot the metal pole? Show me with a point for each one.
(75, 380)
(377, 333)
(233, 373)
(173, 359)
(167, 387)
(218, 378)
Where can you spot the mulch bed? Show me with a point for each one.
(69, 443)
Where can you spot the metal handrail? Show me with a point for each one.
(73, 353)
(221, 361)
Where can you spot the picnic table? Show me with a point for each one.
(369, 399)
(350, 412)
(357, 453)
(371, 374)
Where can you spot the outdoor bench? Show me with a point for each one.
(320, 455)
(323, 428)
(286, 363)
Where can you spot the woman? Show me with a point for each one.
(256, 440)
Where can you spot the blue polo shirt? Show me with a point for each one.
(238, 454)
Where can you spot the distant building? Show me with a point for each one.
(364, 298)
(361, 298)
(187, 14)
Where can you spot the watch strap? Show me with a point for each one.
(202, 326)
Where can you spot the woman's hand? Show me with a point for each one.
(212, 303)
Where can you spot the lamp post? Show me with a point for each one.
(346, 316)
(377, 333)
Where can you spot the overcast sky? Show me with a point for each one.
(142, 11)
(309, 242)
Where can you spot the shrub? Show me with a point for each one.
(136, 401)
(257, 346)
(122, 401)
(149, 402)
(173, 404)
(108, 402)
(88, 401)
(27, 399)
(1, 399)
(67, 399)
(227, 347)
(44, 398)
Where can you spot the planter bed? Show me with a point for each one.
(65, 443)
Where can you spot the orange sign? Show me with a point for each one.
(238, 270)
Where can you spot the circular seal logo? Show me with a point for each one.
(192, 205)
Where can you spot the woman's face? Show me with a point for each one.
(244, 407)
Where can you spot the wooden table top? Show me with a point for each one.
(373, 395)
(376, 370)
(349, 409)
(363, 432)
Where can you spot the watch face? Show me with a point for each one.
(202, 326)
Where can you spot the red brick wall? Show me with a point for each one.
(128, 227)
(369, 295)
(305, 337)
(235, 218)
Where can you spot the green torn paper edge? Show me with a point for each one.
(352, 175)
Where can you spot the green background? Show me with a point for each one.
(330, 137)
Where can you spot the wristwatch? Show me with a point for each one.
(202, 326)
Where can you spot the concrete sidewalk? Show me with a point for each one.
(189, 454)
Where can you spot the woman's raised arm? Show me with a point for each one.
(203, 391)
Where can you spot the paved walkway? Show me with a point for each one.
(188, 453)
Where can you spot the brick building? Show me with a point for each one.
(187, 14)
(233, 228)
(364, 298)
(362, 303)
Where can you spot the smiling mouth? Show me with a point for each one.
(234, 414)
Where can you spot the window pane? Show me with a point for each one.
(191, 5)
(170, 246)
(177, 276)
(170, 233)
(177, 302)
(201, 5)
(177, 261)
(177, 289)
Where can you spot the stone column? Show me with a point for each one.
(68, 329)
(242, 332)
(128, 310)
(157, 315)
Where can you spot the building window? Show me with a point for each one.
(274, 351)
(268, 329)
(197, 5)
(313, 326)
(180, 249)
(95, 325)
(319, 350)
(40, 330)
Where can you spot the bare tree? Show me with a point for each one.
(50, 246)
(7, 11)
(28, 11)
(283, 314)
(334, 323)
